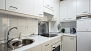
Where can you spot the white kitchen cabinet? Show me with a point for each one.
(2, 4)
(56, 9)
(49, 4)
(46, 46)
(67, 10)
(20, 6)
(38, 8)
(46, 10)
(48, 49)
(46, 3)
(36, 48)
(69, 43)
(63, 10)
(84, 25)
(71, 7)
(83, 7)
(90, 6)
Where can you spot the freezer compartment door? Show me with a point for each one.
(84, 41)
(84, 25)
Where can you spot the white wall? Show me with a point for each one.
(26, 26)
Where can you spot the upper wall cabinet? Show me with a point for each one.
(2, 4)
(67, 10)
(49, 4)
(20, 6)
(71, 7)
(38, 8)
(63, 10)
(82, 7)
(90, 6)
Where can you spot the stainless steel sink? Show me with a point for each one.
(27, 41)
(18, 44)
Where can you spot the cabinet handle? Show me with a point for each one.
(13, 7)
(40, 14)
(72, 38)
(64, 18)
(47, 5)
(51, 7)
(87, 29)
(69, 18)
(47, 45)
(85, 12)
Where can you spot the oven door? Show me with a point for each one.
(57, 48)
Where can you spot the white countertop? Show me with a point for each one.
(39, 40)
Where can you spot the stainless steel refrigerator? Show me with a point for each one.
(84, 34)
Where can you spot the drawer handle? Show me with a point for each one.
(13, 7)
(47, 45)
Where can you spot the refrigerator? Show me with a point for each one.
(84, 34)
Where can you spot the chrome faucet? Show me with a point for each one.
(8, 37)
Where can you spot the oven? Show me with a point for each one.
(56, 47)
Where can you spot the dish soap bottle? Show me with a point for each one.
(20, 36)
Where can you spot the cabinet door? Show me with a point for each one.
(69, 43)
(20, 6)
(46, 3)
(71, 6)
(63, 10)
(90, 6)
(51, 4)
(37, 48)
(48, 49)
(38, 8)
(2, 4)
(82, 7)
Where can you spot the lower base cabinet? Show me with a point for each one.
(48, 49)
(36, 48)
(68, 43)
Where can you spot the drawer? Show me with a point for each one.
(46, 45)
(56, 40)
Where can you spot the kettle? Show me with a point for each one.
(72, 30)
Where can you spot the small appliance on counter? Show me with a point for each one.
(72, 30)
(43, 29)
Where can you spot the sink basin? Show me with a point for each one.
(27, 41)
(18, 44)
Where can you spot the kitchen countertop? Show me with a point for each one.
(39, 40)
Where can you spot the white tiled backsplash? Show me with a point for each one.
(26, 26)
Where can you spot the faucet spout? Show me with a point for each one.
(9, 32)
(8, 37)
